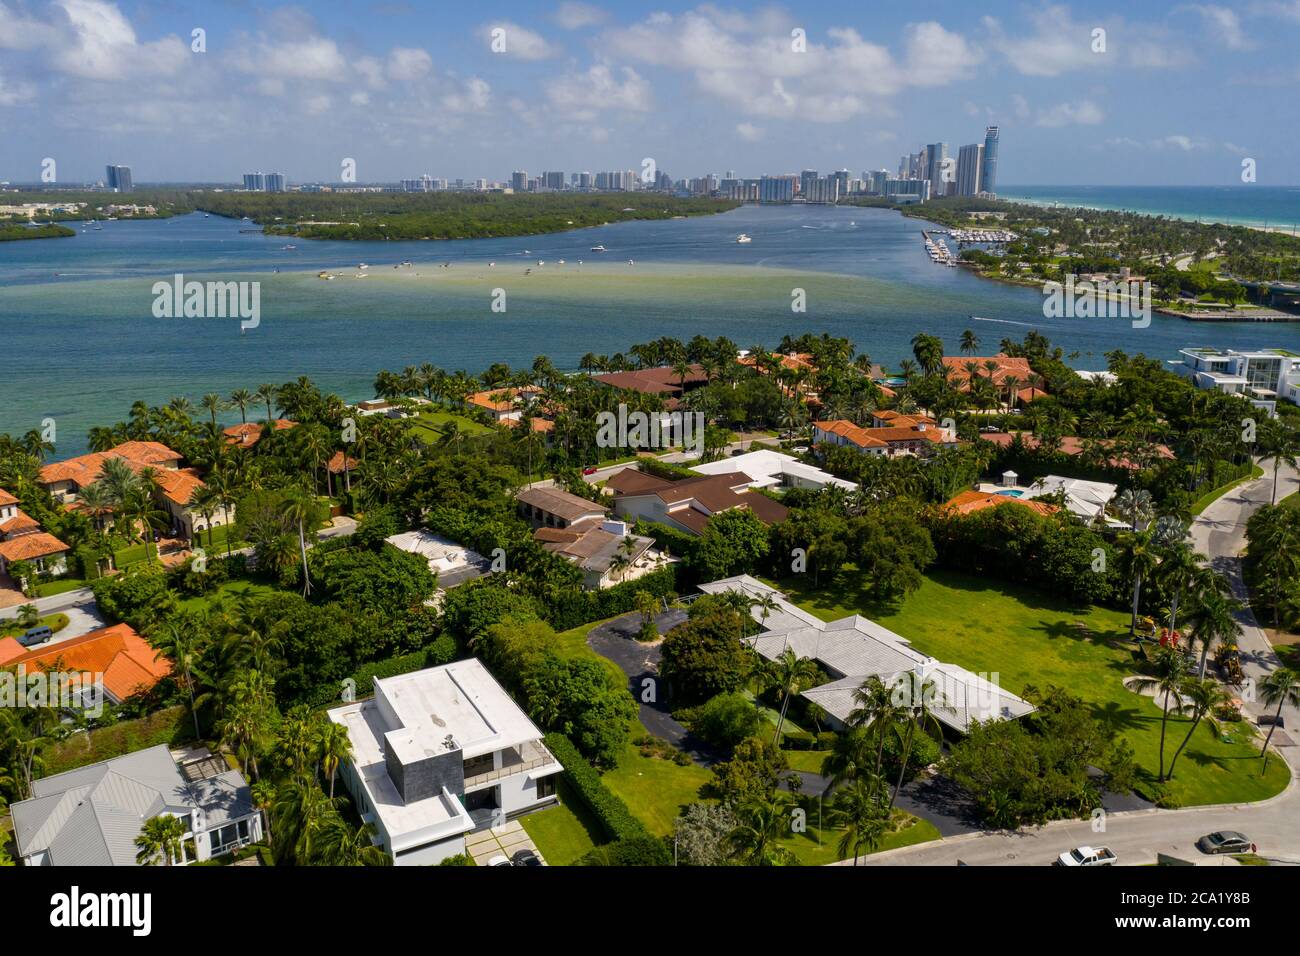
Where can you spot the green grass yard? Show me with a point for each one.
(565, 833)
(1027, 637)
(425, 425)
(236, 591)
(1210, 497)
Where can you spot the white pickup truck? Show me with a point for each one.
(1087, 856)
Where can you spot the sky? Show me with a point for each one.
(1136, 92)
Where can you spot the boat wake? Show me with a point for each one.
(979, 318)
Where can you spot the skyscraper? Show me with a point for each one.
(970, 163)
(275, 182)
(118, 178)
(989, 172)
(519, 180)
(936, 158)
(255, 182)
(806, 180)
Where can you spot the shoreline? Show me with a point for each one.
(1205, 220)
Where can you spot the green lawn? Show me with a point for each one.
(1210, 497)
(59, 586)
(425, 425)
(1027, 637)
(237, 591)
(809, 761)
(654, 789)
(55, 622)
(563, 834)
(819, 845)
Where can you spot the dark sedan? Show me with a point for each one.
(1225, 841)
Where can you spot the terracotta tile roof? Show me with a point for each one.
(1006, 366)
(1071, 445)
(6, 498)
(538, 424)
(178, 486)
(850, 432)
(26, 547)
(10, 649)
(20, 523)
(500, 399)
(653, 381)
(129, 665)
(971, 500)
(335, 465)
(84, 469)
(790, 360)
(247, 434)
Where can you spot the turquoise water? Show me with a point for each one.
(1244, 205)
(82, 343)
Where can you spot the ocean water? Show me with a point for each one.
(1245, 205)
(82, 343)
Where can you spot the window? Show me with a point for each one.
(477, 765)
(546, 787)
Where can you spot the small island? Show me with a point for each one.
(14, 231)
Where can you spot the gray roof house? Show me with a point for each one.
(854, 648)
(91, 816)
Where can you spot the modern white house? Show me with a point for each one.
(1262, 377)
(438, 753)
(772, 469)
(91, 816)
(854, 648)
(1086, 500)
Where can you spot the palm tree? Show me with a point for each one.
(789, 674)
(858, 810)
(1179, 567)
(298, 508)
(341, 845)
(970, 343)
(875, 708)
(1214, 621)
(1136, 505)
(335, 747)
(762, 822)
(1204, 697)
(1281, 443)
(919, 720)
(212, 403)
(267, 393)
(169, 639)
(241, 398)
(160, 840)
(263, 799)
(1280, 687)
(1167, 679)
(206, 500)
(1143, 559)
(302, 812)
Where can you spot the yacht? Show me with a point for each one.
(742, 238)
(598, 249)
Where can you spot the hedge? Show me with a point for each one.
(615, 819)
(171, 726)
(678, 543)
(570, 609)
(441, 651)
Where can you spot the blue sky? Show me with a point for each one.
(1180, 94)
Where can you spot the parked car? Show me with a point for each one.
(800, 449)
(589, 470)
(1087, 856)
(1225, 841)
(526, 858)
(35, 635)
(499, 860)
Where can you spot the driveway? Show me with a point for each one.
(617, 641)
(505, 840)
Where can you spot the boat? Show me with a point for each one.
(599, 249)
(362, 266)
(290, 246)
(742, 238)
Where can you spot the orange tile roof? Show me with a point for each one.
(84, 469)
(500, 399)
(1072, 445)
(25, 547)
(6, 498)
(969, 501)
(851, 432)
(9, 650)
(247, 434)
(335, 465)
(178, 486)
(20, 523)
(1006, 366)
(127, 661)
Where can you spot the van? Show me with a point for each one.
(35, 635)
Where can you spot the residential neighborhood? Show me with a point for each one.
(409, 632)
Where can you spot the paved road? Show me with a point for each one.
(1137, 836)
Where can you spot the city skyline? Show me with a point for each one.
(1158, 97)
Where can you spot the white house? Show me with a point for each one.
(438, 753)
(1262, 376)
(1083, 499)
(855, 648)
(772, 469)
(91, 816)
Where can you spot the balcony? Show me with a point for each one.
(525, 757)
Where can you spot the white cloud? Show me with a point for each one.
(406, 64)
(519, 42)
(1225, 24)
(474, 96)
(749, 132)
(575, 16)
(1058, 44)
(92, 40)
(584, 95)
(299, 58)
(15, 94)
(937, 57)
(1082, 113)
